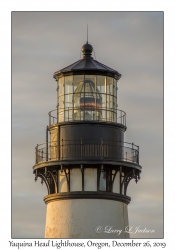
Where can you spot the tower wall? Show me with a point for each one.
(82, 218)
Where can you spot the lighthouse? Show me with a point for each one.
(85, 162)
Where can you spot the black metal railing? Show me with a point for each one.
(69, 115)
(87, 150)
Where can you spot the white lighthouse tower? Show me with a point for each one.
(85, 163)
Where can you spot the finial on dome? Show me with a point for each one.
(87, 50)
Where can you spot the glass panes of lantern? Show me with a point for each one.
(87, 97)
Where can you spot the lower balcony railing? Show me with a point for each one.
(87, 150)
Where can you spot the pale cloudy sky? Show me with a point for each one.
(131, 43)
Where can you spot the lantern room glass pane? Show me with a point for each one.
(87, 97)
(78, 88)
(101, 84)
(115, 91)
(115, 100)
(68, 98)
(61, 100)
(76, 81)
(92, 99)
(109, 99)
(61, 86)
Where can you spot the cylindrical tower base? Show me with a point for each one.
(86, 218)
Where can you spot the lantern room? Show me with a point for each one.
(87, 90)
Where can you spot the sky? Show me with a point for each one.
(129, 42)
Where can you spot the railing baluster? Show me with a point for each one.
(101, 148)
(62, 149)
(46, 143)
(132, 152)
(81, 147)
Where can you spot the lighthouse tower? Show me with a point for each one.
(85, 162)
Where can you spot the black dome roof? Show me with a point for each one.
(87, 65)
